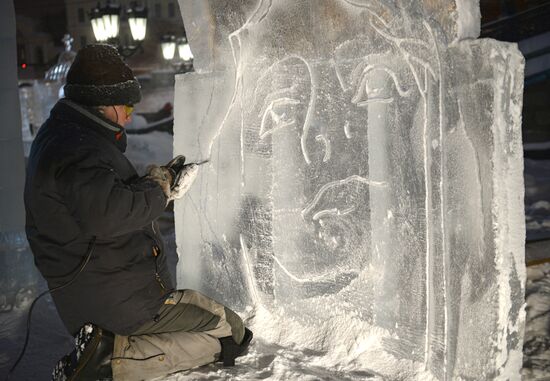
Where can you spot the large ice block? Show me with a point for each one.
(364, 190)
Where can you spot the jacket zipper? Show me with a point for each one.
(156, 253)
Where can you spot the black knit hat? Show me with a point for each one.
(99, 77)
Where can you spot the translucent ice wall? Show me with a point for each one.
(364, 190)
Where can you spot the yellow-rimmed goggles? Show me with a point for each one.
(128, 109)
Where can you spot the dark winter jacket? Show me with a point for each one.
(79, 186)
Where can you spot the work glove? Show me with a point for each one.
(175, 178)
(183, 176)
(162, 176)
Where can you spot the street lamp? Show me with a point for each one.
(111, 19)
(184, 49)
(106, 25)
(183, 61)
(105, 21)
(168, 45)
(98, 25)
(137, 18)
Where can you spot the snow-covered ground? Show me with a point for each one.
(536, 349)
(537, 292)
(265, 361)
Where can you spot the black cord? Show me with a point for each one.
(116, 113)
(89, 252)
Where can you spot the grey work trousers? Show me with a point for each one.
(183, 335)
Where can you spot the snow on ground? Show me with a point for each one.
(267, 361)
(536, 349)
(155, 147)
(49, 339)
(537, 198)
(152, 148)
(537, 331)
(154, 99)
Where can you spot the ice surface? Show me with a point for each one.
(37, 98)
(364, 195)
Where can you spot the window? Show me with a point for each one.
(158, 10)
(171, 10)
(39, 55)
(83, 41)
(81, 16)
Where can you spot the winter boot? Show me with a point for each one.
(91, 358)
(231, 350)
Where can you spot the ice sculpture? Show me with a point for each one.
(364, 190)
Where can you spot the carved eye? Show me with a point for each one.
(279, 113)
(377, 84)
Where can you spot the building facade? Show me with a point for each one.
(36, 48)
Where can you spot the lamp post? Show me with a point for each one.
(106, 25)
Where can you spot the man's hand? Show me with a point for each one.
(183, 181)
(175, 178)
(163, 176)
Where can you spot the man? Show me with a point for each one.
(91, 226)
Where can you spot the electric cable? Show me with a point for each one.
(116, 113)
(89, 252)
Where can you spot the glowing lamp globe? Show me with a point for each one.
(185, 50)
(137, 18)
(168, 46)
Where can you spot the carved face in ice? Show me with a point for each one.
(356, 156)
(313, 114)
